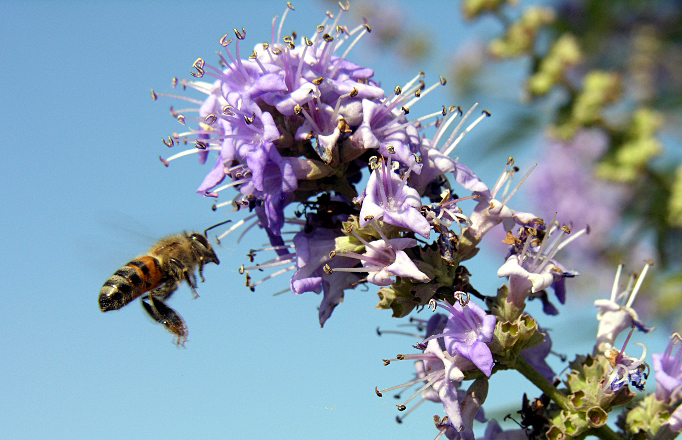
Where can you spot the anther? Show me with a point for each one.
(398, 90)
(486, 112)
(401, 407)
(240, 35)
(443, 81)
(181, 119)
(225, 41)
(163, 161)
(405, 110)
(328, 38)
(332, 254)
(354, 92)
(319, 28)
(318, 81)
(290, 6)
(199, 66)
(376, 389)
(327, 269)
(210, 119)
(391, 149)
(297, 109)
(386, 363)
(369, 217)
(250, 120)
(345, 7)
(369, 29)
(200, 144)
(400, 357)
(241, 270)
(174, 82)
(154, 97)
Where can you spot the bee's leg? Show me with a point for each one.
(201, 271)
(163, 314)
(189, 277)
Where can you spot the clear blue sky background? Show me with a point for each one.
(83, 192)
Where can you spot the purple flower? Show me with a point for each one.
(384, 259)
(390, 199)
(614, 317)
(531, 267)
(468, 331)
(668, 368)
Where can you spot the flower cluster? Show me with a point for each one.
(308, 139)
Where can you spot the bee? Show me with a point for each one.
(157, 275)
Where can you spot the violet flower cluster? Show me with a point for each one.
(310, 141)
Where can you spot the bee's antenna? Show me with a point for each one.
(215, 226)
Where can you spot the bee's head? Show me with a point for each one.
(205, 251)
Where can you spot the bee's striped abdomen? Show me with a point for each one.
(129, 282)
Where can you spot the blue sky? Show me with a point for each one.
(84, 192)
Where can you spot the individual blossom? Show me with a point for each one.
(441, 374)
(489, 212)
(470, 406)
(383, 259)
(668, 369)
(442, 367)
(616, 313)
(388, 197)
(531, 267)
(468, 331)
(626, 369)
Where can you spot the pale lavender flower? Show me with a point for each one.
(668, 369)
(384, 259)
(468, 331)
(614, 317)
(389, 198)
(532, 268)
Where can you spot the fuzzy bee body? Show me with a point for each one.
(156, 275)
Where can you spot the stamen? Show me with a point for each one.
(508, 198)
(235, 226)
(442, 81)
(614, 289)
(186, 153)
(640, 280)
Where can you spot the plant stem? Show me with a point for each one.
(530, 373)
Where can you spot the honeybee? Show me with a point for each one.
(160, 272)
